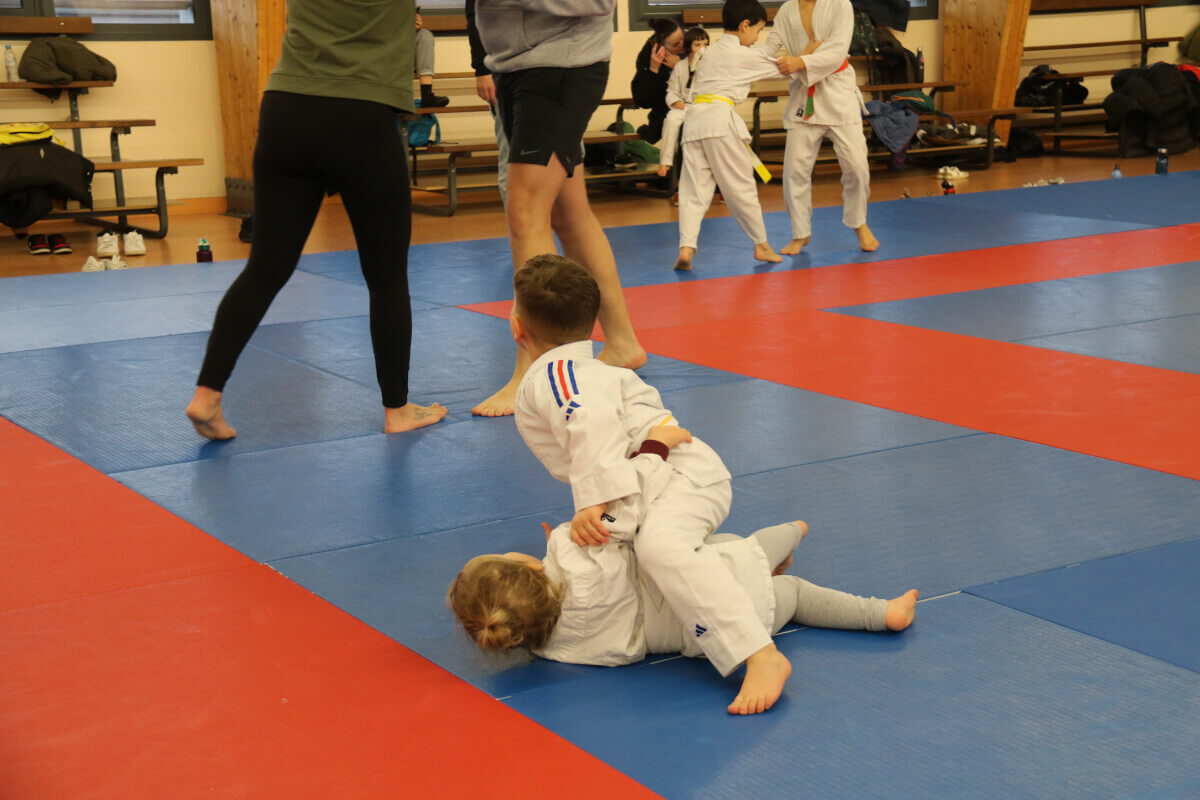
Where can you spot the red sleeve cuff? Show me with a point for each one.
(655, 448)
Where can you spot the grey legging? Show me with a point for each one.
(797, 600)
(423, 53)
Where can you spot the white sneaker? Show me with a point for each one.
(93, 265)
(134, 244)
(954, 173)
(115, 263)
(106, 245)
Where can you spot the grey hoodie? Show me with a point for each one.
(522, 34)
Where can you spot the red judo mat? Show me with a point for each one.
(144, 659)
(768, 326)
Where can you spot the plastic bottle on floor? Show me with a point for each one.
(1116, 173)
(1160, 163)
(204, 252)
(10, 64)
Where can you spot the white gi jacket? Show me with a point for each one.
(583, 419)
(613, 615)
(837, 100)
(677, 84)
(727, 70)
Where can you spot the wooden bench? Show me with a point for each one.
(456, 182)
(123, 208)
(1145, 42)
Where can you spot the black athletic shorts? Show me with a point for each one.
(545, 110)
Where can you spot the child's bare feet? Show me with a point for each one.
(763, 252)
(794, 247)
(766, 673)
(207, 418)
(664, 170)
(630, 355)
(901, 611)
(501, 403)
(410, 416)
(866, 240)
(684, 263)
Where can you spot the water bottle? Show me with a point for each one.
(10, 64)
(1116, 173)
(1160, 163)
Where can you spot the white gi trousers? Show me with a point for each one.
(720, 161)
(670, 136)
(799, 158)
(704, 595)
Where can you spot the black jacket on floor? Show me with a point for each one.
(34, 174)
(1153, 107)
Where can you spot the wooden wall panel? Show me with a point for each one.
(248, 35)
(983, 44)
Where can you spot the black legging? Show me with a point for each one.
(307, 147)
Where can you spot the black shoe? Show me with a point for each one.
(431, 100)
(246, 234)
(59, 245)
(38, 245)
(623, 161)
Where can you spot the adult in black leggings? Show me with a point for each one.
(309, 145)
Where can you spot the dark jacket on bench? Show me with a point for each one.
(35, 173)
(1156, 106)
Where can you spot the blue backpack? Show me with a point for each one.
(424, 130)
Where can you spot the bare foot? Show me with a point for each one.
(901, 611)
(409, 417)
(763, 252)
(766, 673)
(501, 403)
(794, 247)
(684, 264)
(664, 170)
(866, 240)
(207, 418)
(629, 356)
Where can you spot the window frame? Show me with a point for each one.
(199, 30)
(640, 11)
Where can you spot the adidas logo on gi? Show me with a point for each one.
(700, 631)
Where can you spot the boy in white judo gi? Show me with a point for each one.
(715, 138)
(583, 419)
(824, 102)
(592, 605)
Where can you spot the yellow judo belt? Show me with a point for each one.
(758, 164)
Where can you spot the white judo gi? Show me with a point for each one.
(836, 112)
(583, 419)
(715, 139)
(678, 91)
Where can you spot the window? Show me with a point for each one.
(126, 19)
(641, 11)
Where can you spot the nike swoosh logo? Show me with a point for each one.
(527, 152)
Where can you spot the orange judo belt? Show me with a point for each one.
(812, 90)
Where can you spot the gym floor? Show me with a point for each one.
(997, 408)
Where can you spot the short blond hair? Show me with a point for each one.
(503, 604)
